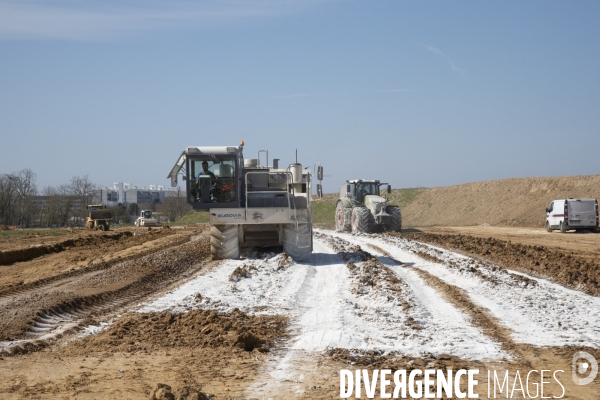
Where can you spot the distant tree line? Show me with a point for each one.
(21, 204)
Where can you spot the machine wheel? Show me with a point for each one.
(224, 243)
(395, 224)
(562, 227)
(297, 243)
(348, 219)
(595, 229)
(362, 220)
(343, 216)
(90, 225)
(548, 227)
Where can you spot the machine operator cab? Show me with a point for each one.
(147, 214)
(212, 176)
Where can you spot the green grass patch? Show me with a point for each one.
(192, 218)
(403, 197)
(324, 213)
(17, 233)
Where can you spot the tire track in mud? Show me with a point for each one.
(438, 324)
(359, 311)
(164, 268)
(535, 312)
(95, 266)
(479, 316)
(29, 253)
(562, 266)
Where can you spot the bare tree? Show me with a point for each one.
(57, 207)
(17, 193)
(7, 199)
(174, 205)
(84, 192)
(24, 181)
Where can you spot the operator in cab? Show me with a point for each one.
(213, 182)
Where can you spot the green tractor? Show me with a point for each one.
(361, 208)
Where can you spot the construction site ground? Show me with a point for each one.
(120, 314)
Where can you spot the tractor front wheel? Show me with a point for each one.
(395, 223)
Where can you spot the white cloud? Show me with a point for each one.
(85, 20)
(290, 96)
(437, 51)
(391, 91)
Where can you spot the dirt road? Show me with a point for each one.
(112, 315)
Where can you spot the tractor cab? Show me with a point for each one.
(359, 189)
(363, 189)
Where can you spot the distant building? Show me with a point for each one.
(126, 193)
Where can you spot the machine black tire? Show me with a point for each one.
(562, 227)
(362, 220)
(224, 242)
(347, 220)
(548, 227)
(595, 229)
(395, 224)
(294, 242)
(343, 216)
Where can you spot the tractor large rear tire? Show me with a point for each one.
(297, 243)
(224, 242)
(343, 217)
(395, 224)
(362, 220)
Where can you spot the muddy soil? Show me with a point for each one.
(114, 274)
(571, 259)
(45, 302)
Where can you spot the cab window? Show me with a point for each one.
(221, 173)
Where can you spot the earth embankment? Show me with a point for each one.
(506, 202)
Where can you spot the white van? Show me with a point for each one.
(572, 214)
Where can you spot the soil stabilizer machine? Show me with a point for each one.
(361, 208)
(249, 204)
(98, 217)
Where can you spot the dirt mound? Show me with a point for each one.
(507, 202)
(164, 392)
(198, 328)
(559, 265)
(4, 228)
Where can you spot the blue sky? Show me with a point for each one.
(416, 93)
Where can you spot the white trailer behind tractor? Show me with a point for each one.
(249, 204)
